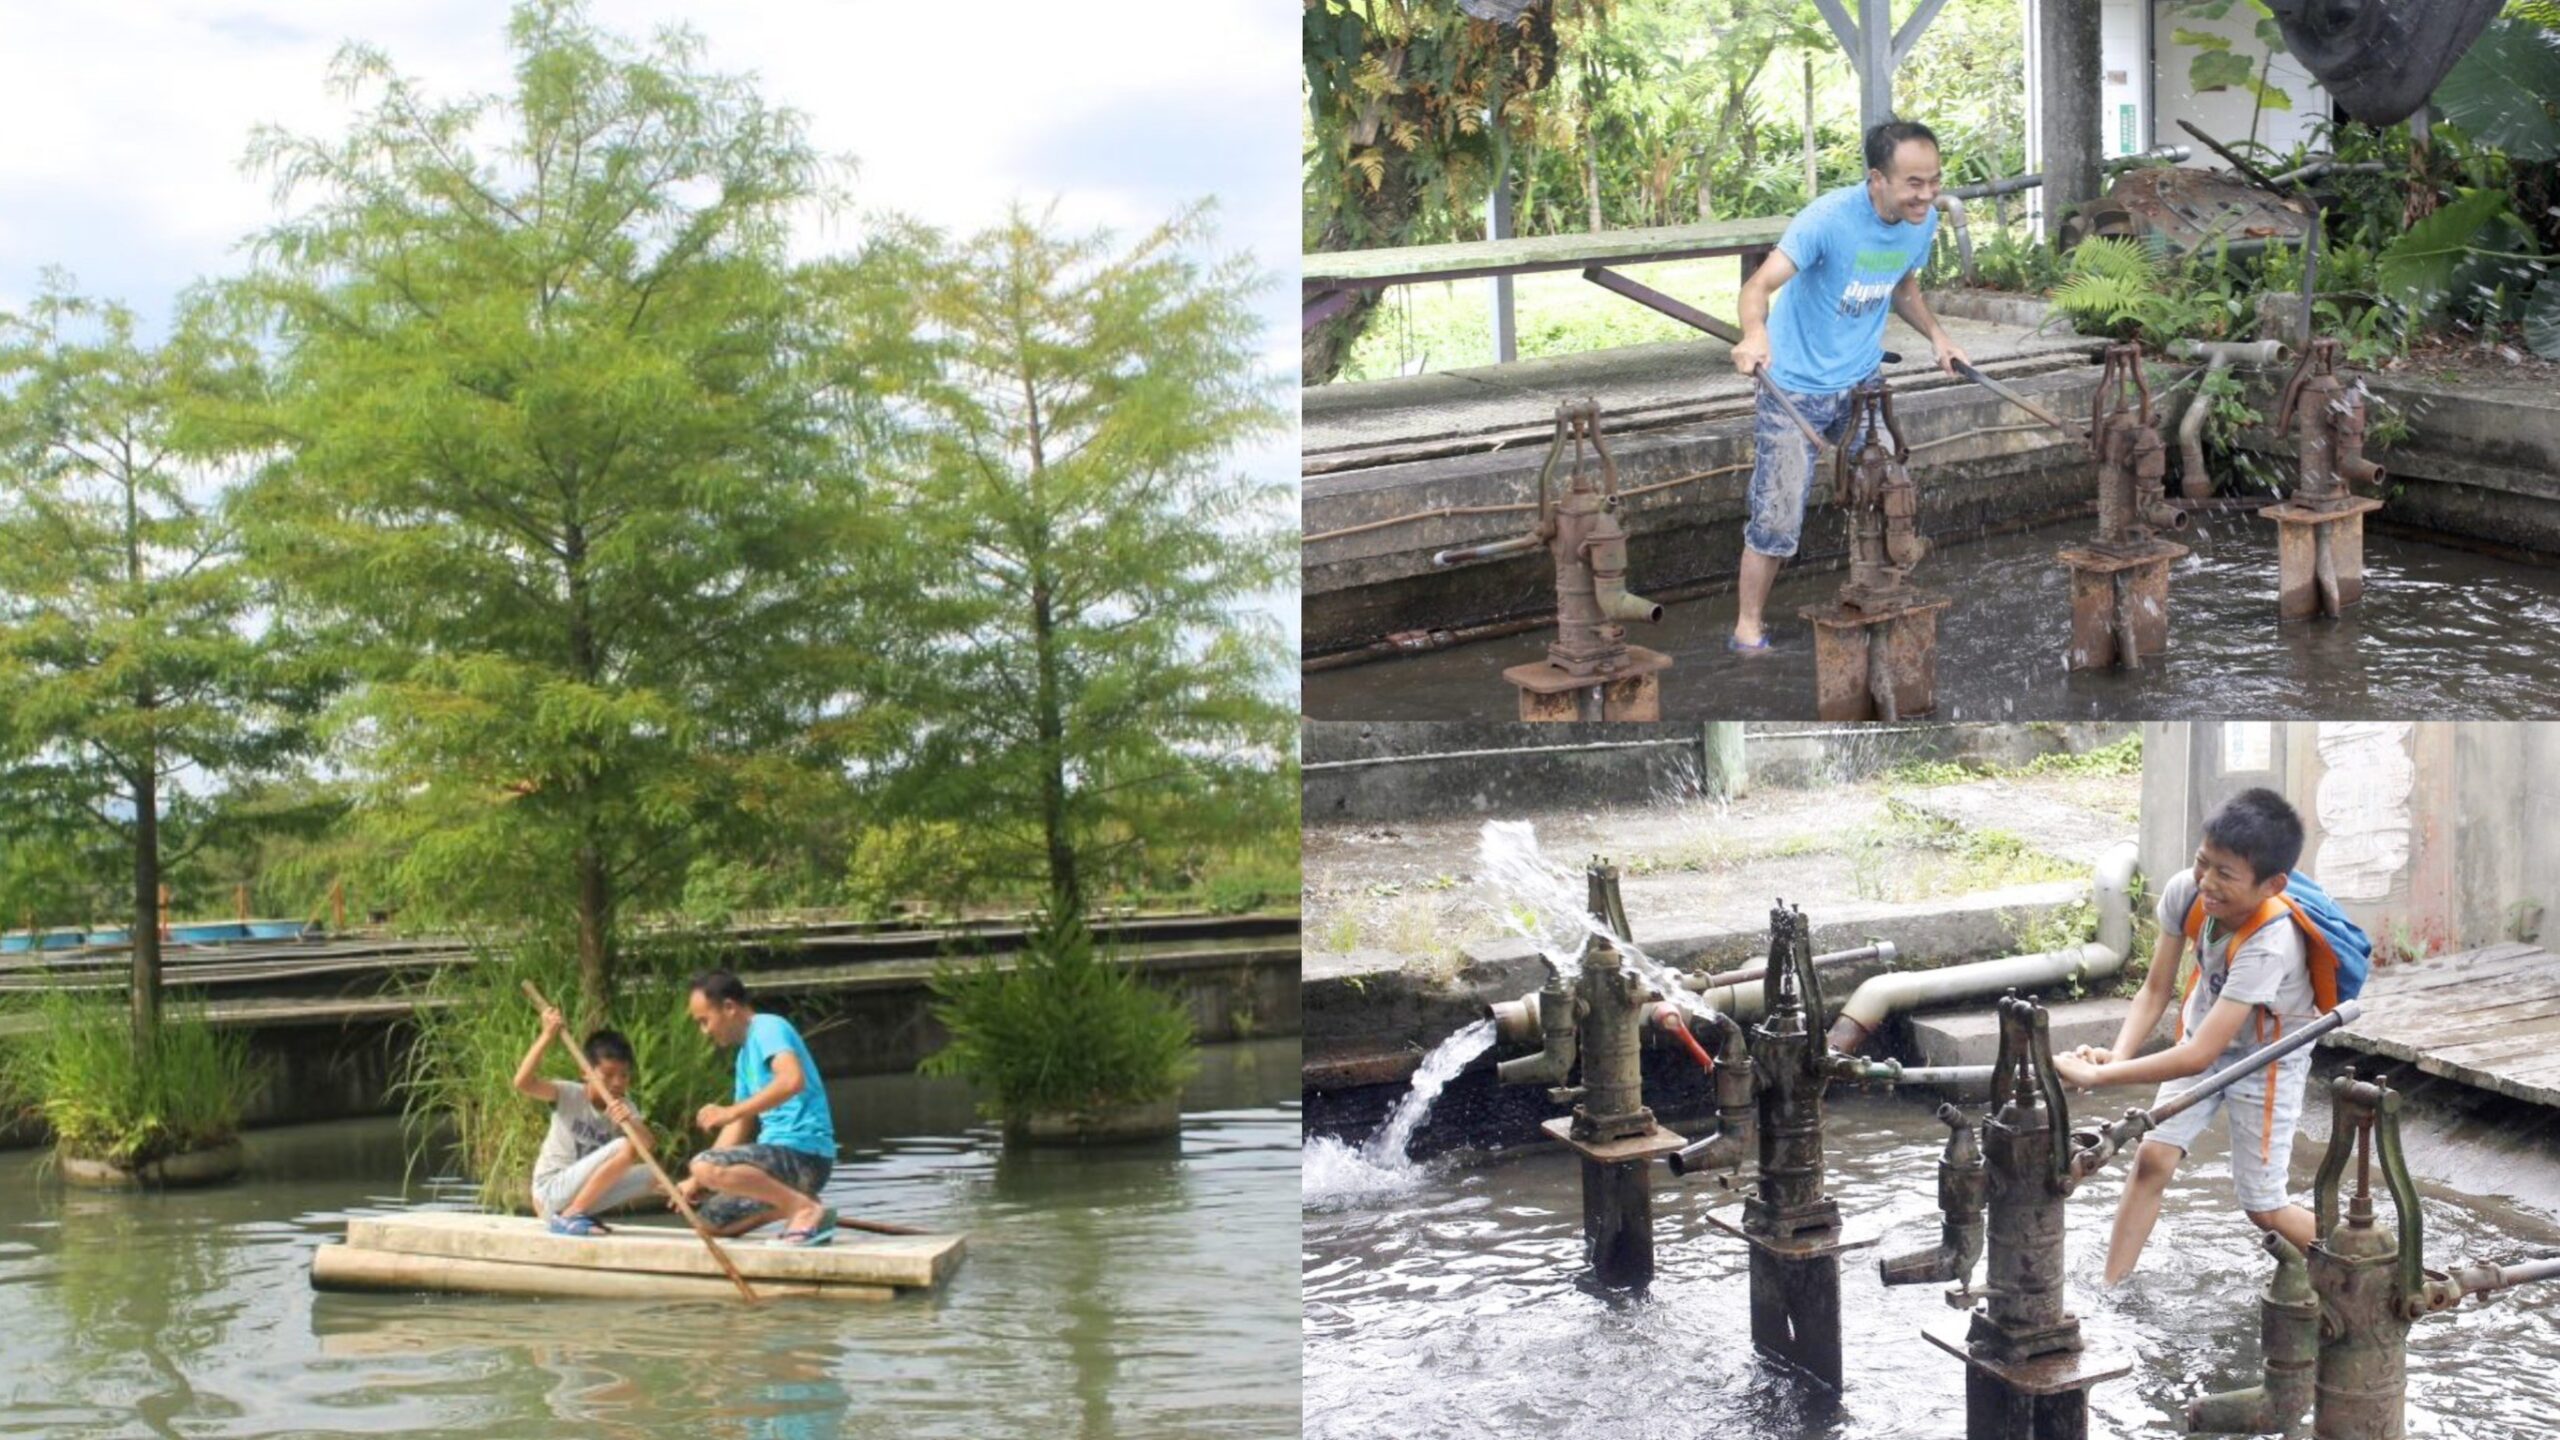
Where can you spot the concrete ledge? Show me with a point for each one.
(1361, 587)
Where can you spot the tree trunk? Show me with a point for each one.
(146, 902)
(1591, 177)
(1812, 172)
(1066, 887)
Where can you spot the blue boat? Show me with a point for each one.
(275, 929)
(67, 937)
(16, 942)
(208, 932)
(113, 935)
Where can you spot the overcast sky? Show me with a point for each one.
(123, 122)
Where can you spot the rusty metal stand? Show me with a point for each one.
(1617, 1201)
(1876, 664)
(2119, 598)
(2319, 556)
(1632, 691)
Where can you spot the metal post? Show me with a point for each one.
(1497, 226)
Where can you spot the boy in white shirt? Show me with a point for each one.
(586, 1167)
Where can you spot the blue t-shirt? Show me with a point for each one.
(802, 1122)
(1826, 325)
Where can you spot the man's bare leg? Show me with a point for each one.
(1758, 576)
(755, 1184)
(2139, 1209)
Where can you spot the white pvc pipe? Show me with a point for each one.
(1883, 995)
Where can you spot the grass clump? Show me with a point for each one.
(105, 1098)
(1065, 1029)
(2121, 757)
(474, 1023)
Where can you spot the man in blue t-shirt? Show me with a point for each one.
(1840, 261)
(775, 1145)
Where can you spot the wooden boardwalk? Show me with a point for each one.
(2489, 1018)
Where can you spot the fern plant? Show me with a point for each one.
(2111, 283)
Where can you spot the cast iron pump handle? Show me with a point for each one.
(1606, 906)
(1790, 978)
(2365, 1118)
(2022, 1069)
(1870, 410)
(2320, 357)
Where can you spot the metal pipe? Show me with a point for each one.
(1516, 545)
(2218, 355)
(2483, 1279)
(1732, 979)
(1882, 995)
(2022, 402)
(2092, 1149)
(1953, 205)
(1894, 1072)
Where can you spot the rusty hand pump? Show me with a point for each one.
(2328, 420)
(1961, 1196)
(2360, 1287)
(1875, 487)
(2133, 462)
(2092, 1149)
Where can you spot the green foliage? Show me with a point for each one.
(1064, 1029)
(2419, 271)
(126, 648)
(565, 470)
(2117, 757)
(2217, 66)
(76, 1066)
(474, 1023)
(1090, 675)
(2505, 90)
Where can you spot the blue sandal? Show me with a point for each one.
(1734, 644)
(823, 1234)
(582, 1226)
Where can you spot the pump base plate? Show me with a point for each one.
(2043, 1375)
(1614, 1152)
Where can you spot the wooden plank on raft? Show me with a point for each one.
(914, 1262)
(354, 1268)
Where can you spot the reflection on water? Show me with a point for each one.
(1142, 1291)
(2441, 632)
(1459, 1308)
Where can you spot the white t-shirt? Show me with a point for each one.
(578, 1129)
(2269, 972)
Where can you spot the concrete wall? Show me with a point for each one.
(1362, 772)
(2432, 835)
(1355, 772)
(346, 1067)
(1685, 539)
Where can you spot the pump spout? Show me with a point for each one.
(2357, 470)
(1963, 1191)
(2161, 515)
(1737, 1106)
(1607, 549)
(1544, 1018)
(2289, 1338)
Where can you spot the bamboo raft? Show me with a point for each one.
(475, 1254)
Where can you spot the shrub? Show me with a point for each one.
(1062, 1029)
(107, 1099)
(474, 1023)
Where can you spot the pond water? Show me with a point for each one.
(1124, 1292)
(1458, 1305)
(2441, 632)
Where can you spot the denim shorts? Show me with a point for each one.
(1783, 463)
(801, 1170)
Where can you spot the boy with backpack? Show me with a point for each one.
(2273, 952)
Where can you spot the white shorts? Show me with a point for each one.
(554, 1191)
(2261, 1136)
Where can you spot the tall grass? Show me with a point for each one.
(1064, 1029)
(107, 1099)
(474, 1023)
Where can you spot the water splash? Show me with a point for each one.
(1549, 906)
(1332, 1171)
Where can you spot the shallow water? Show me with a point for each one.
(1458, 1307)
(1122, 1293)
(2441, 632)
